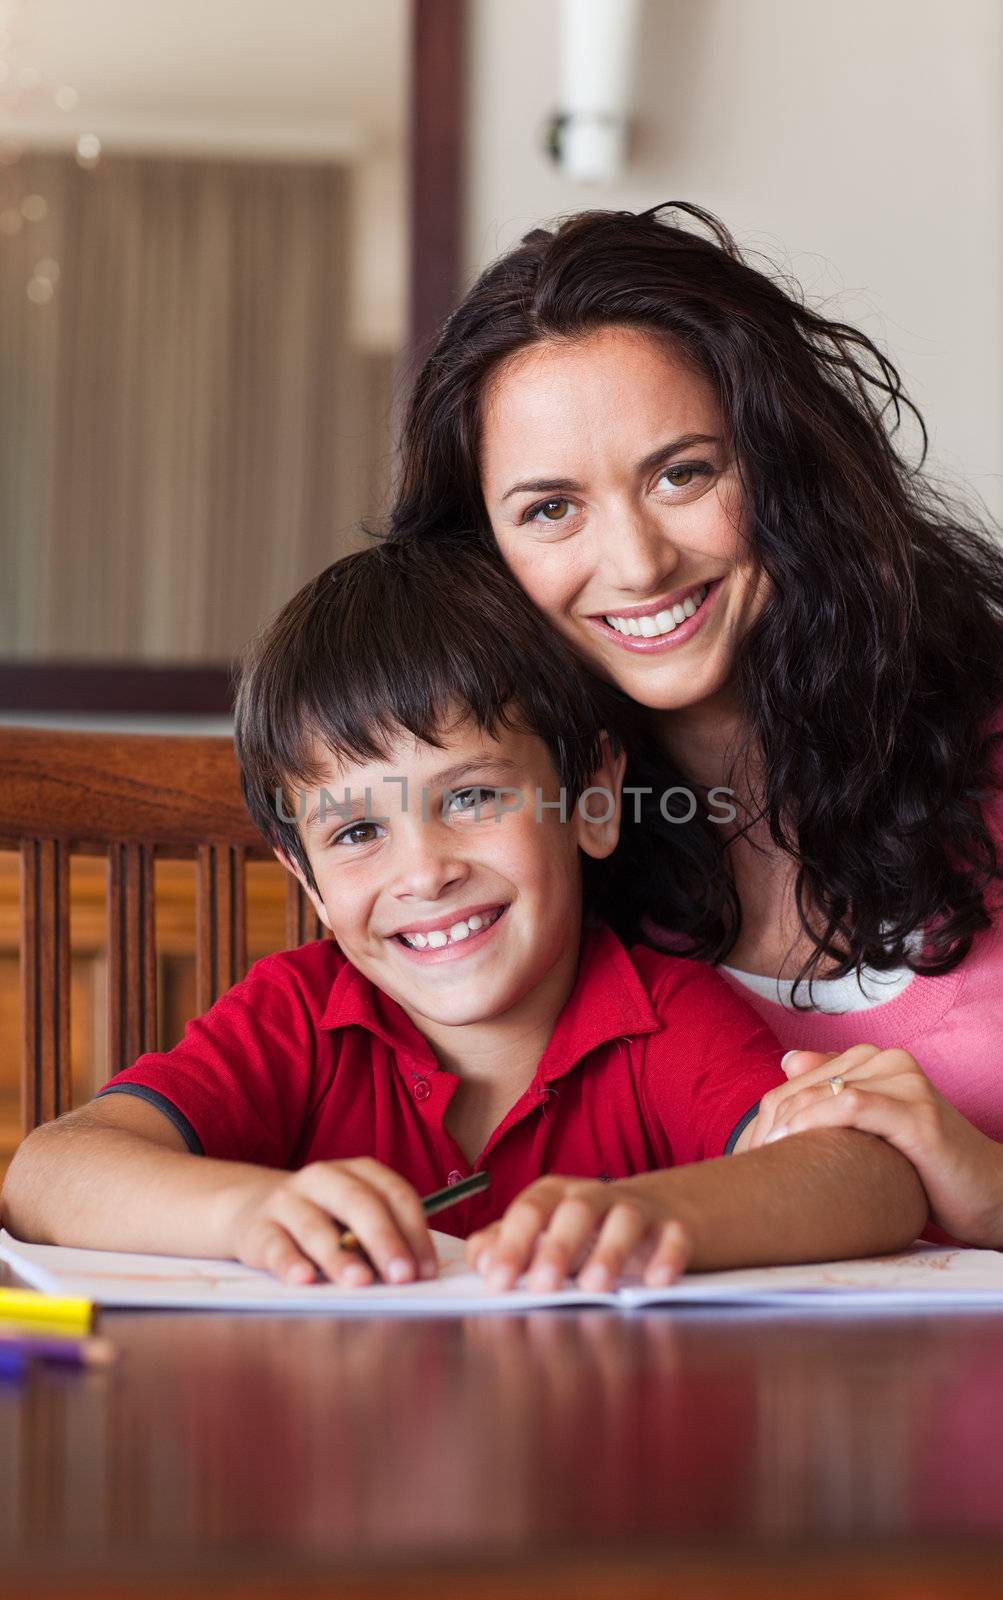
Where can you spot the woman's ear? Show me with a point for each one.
(598, 811)
(298, 873)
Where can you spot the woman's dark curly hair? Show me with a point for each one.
(872, 677)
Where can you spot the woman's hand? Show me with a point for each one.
(287, 1224)
(887, 1093)
(559, 1227)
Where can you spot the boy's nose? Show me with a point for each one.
(427, 868)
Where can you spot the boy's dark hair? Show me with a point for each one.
(394, 637)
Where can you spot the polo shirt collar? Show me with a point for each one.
(356, 1000)
(608, 1001)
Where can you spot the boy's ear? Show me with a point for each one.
(297, 872)
(599, 829)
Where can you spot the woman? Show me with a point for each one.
(692, 474)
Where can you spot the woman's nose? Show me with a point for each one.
(638, 556)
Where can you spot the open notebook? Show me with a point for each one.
(925, 1277)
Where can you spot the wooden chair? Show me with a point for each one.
(132, 798)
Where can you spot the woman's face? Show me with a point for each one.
(614, 502)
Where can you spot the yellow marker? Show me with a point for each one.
(27, 1305)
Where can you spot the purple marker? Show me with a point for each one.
(13, 1361)
(56, 1347)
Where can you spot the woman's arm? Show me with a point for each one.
(823, 1196)
(886, 1092)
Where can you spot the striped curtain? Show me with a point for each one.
(186, 433)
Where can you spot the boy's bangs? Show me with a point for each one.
(425, 697)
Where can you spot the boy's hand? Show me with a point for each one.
(292, 1222)
(563, 1226)
(886, 1092)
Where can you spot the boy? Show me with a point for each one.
(438, 770)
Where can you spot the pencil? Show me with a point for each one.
(27, 1305)
(438, 1201)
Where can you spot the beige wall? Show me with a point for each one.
(859, 144)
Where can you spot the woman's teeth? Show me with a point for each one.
(662, 621)
(443, 936)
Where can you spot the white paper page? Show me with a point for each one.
(113, 1279)
(925, 1277)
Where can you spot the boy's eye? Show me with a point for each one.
(472, 799)
(350, 835)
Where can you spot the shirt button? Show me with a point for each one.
(454, 1177)
(421, 1090)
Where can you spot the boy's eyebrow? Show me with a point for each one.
(334, 804)
(686, 441)
(450, 775)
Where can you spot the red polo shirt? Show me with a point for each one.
(653, 1062)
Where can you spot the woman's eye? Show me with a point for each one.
(550, 511)
(683, 476)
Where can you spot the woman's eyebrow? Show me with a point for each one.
(686, 441)
(544, 486)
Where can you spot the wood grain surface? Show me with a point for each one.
(559, 1454)
(91, 788)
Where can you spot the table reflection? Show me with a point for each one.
(363, 1438)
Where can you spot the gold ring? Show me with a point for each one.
(836, 1085)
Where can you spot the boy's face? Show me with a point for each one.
(417, 864)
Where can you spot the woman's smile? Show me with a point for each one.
(663, 625)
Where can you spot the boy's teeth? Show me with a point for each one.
(454, 935)
(663, 621)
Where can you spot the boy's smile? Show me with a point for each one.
(445, 939)
(449, 879)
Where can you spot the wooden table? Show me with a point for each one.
(570, 1456)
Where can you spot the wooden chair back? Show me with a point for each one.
(131, 798)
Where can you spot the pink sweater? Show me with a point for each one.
(953, 1025)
